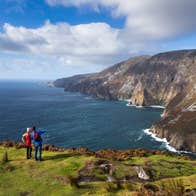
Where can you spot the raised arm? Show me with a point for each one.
(41, 131)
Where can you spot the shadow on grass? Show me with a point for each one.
(85, 186)
(58, 156)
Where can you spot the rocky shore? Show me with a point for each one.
(166, 79)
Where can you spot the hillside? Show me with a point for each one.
(166, 79)
(106, 172)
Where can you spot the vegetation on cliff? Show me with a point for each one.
(106, 172)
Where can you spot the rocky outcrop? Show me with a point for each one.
(166, 79)
(141, 173)
(178, 123)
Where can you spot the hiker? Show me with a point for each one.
(26, 138)
(37, 141)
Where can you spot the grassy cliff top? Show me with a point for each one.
(67, 173)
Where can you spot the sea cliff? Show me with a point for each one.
(166, 79)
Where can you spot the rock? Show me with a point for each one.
(141, 173)
(106, 168)
(110, 178)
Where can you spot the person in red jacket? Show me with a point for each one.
(26, 138)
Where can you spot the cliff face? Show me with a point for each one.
(167, 79)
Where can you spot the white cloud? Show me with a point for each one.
(94, 39)
(88, 47)
(73, 49)
(147, 22)
(65, 49)
(156, 19)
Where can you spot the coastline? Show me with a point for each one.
(163, 140)
(140, 106)
(148, 132)
(158, 139)
(167, 144)
(139, 81)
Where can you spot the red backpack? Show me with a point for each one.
(37, 137)
(27, 140)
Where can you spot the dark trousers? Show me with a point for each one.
(38, 150)
(28, 151)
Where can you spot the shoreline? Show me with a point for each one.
(140, 106)
(163, 140)
(158, 139)
(167, 144)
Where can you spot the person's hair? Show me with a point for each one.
(34, 128)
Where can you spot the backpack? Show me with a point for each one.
(37, 136)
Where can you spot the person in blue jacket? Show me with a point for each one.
(37, 141)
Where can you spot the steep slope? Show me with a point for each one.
(166, 79)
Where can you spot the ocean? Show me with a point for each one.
(73, 119)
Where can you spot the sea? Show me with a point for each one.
(73, 119)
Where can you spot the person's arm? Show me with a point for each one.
(42, 131)
(23, 138)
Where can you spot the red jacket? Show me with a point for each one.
(27, 139)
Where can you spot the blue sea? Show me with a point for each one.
(73, 119)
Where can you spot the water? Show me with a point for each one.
(72, 119)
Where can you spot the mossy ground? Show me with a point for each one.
(19, 176)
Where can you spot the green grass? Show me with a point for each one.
(162, 166)
(37, 177)
(156, 158)
(169, 169)
(19, 176)
(123, 170)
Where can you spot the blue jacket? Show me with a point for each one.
(37, 143)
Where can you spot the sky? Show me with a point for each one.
(50, 39)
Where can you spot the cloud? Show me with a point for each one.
(94, 39)
(20, 66)
(154, 19)
(10, 45)
(89, 47)
(57, 50)
(148, 23)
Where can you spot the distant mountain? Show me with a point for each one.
(167, 79)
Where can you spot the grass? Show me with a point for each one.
(19, 176)
(162, 166)
(4, 158)
(155, 158)
(169, 169)
(123, 170)
(37, 177)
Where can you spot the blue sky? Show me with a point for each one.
(49, 39)
(32, 14)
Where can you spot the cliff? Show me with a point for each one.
(166, 79)
(79, 171)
